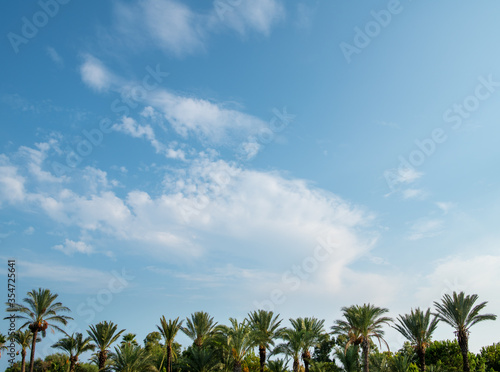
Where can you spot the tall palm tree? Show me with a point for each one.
(312, 330)
(361, 324)
(74, 345)
(200, 327)
(459, 312)
(169, 330)
(291, 347)
(418, 327)
(238, 341)
(104, 334)
(131, 358)
(23, 339)
(265, 327)
(40, 312)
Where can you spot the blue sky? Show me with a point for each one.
(164, 157)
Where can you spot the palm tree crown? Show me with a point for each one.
(131, 358)
(459, 312)
(418, 327)
(265, 327)
(361, 324)
(74, 345)
(312, 330)
(104, 334)
(200, 327)
(169, 330)
(40, 313)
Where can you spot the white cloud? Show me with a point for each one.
(425, 228)
(209, 121)
(96, 75)
(413, 194)
(171, 25)
(248, 15)
(35, 158)
(11, 183)
(175, 28)
(71, 247)
(445, 206)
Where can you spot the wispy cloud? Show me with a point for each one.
(55, 57)
(413, 194)
(96, 75)
(425, 228)
(71, 247)
(176, 28)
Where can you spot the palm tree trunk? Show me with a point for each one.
(262, 355)
(421, 359)
(306, 356)
(32, 354)
(23, 360)
(296, 364)
(169, 358)
(366, 353)
(463, 342)
(102, 359)
(72, 363)
(237, 366)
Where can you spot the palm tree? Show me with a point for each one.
(278, 365)
(348, 357)
(129, 338)
(418, 327)
(291, 347)
(40, 313)
(265, 328)
(23, 339)
(459, 312)
(169, 330)
(3, 341)
(131, 358)
(104, 334)
(200, 327)
(311, 329)
(401, 363)
(74, 345)
(238, 341)
(199, 359)
(360, 325)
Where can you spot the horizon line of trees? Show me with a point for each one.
(218, 347)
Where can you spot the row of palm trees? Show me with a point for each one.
(359, 326)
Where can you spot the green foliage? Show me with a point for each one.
(491, 357)
(447, 353)
(323, 351)
(152, 339)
